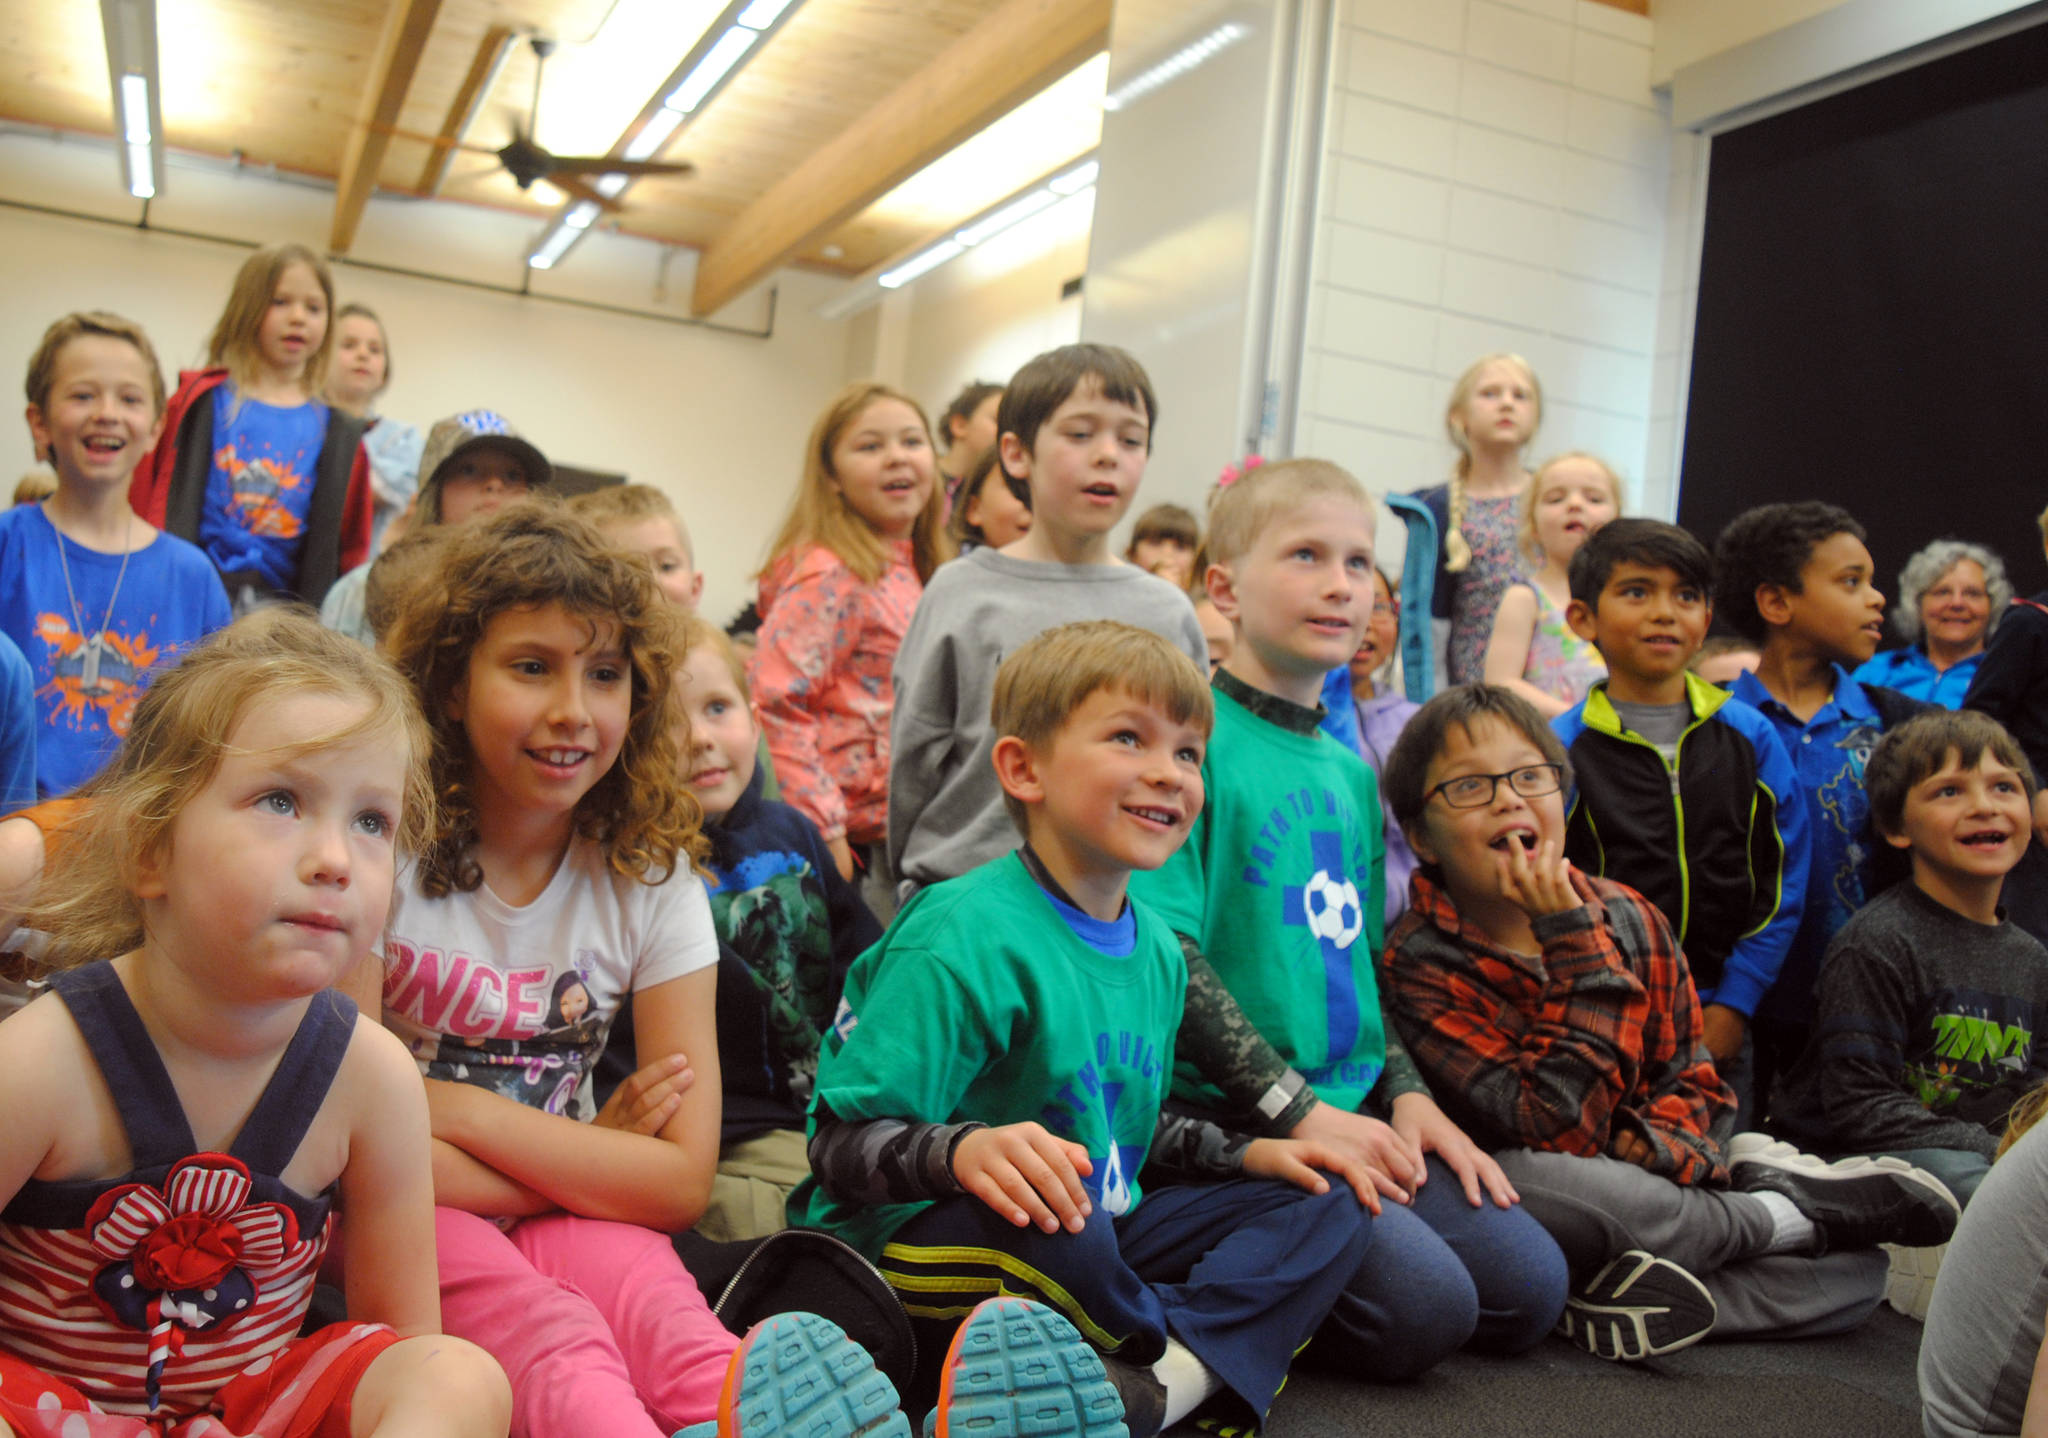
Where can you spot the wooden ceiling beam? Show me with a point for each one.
(1003, 61)
(490, 58)
(407, 23)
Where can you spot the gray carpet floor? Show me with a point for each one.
(1858, 1384)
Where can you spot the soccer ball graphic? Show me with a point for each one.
(1332, 909)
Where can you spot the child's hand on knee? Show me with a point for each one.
(1394, 1163)
(1026, 1174)
(1632, 1148)
(1303, 1162)
(649, 1098)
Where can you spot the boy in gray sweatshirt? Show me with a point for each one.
(1075, 425)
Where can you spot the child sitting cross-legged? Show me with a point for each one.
(1555, 1013)
(1929, 997)
(989, 1114)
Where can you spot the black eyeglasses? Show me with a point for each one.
(1474, 791)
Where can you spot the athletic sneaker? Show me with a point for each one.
(1909, 1287)
(797, 1375)
(1854, 1202)
(1017, 1369)
(1639, 1306)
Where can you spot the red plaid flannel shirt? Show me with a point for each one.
(1597, 1038)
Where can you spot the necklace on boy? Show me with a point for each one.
(94, 645)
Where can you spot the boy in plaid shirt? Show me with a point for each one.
(1555, 1014)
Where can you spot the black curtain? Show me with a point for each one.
(1871, 330)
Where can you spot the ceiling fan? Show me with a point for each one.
(525, 160)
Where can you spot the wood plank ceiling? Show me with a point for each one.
(280, 82)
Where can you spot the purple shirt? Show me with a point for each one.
(1380, 722)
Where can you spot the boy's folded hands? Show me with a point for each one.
(1027, 1174)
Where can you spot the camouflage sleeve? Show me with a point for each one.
(1400, 1074)
(885, 1160)
(1193, 1149)
(1217, 1038)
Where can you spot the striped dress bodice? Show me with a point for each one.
(150, 1291)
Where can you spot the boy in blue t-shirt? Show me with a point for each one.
(988, 1111)
(95, 599)
(1797, 580)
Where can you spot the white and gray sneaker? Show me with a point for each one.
(1639, 1306)
(1909, 1287)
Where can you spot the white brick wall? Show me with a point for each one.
(1499, 177)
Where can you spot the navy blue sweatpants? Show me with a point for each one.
(1241, 1272)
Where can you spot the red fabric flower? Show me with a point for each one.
(190, 1251)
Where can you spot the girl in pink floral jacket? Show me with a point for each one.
(863, 535)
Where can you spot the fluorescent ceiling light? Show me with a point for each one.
(711, 69)
(761, 14)
(1075, 180)
(553, 247)
(1019, 209)
(654, 134)
(135, 109)
(1176, 64)
(580, 215)
(911, 268)
(610, 185)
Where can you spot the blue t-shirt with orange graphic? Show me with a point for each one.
(87, 680)
(260, 485)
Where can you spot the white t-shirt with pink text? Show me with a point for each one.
(519, 1000)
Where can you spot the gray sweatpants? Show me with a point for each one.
(1599, 1207)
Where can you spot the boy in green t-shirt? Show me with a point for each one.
(1280, 887)
(992, 1086)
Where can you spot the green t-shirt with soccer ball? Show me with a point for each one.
(981, 1003)
(1282, 883)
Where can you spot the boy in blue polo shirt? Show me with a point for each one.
(1797, 580)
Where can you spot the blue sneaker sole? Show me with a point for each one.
(1019, 1370)
(797, 1375)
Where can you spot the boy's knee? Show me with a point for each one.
(1390, 1328)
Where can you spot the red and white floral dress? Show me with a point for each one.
(169, 1301)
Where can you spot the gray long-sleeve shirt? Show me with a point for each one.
(946, 812)
(1929, 1031)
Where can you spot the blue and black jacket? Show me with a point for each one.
(1717, 841)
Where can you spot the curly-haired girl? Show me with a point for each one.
(542, 659)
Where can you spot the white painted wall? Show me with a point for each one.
(981, 316)
(716, 419)
(1497, 176)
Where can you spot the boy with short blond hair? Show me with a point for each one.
(1930, 1002)
(641, 518)
(96, 599)
(1683, 792)
(990, 1095)
(1280, 888)
(1076, 427)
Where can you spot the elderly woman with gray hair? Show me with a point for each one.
(1950, 597)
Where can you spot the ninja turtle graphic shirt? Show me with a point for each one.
(1282, 884)
(260, 485)
(91, 665)
(985, 1002)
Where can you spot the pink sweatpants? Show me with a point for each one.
(597, 1324)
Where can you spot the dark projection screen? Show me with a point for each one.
(1873, 311)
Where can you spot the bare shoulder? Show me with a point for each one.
(377, 1065)
(55, 1096)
